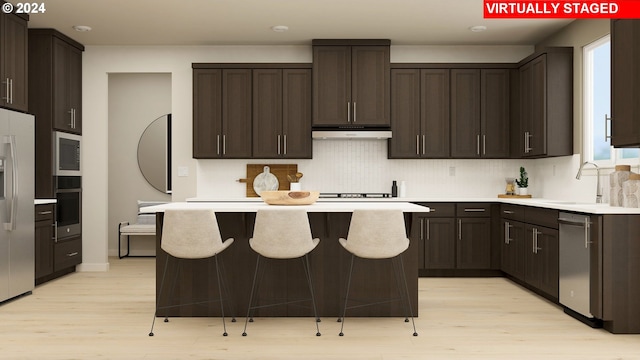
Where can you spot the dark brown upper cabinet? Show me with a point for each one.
(282, 113)
(480, 113)
(55, 93)
(465, 113)
(56, 60)
(625, 83)
(221, 113)
(420, 113)
(13, 61)
(244, 111)
(546, 103)
(351, 83)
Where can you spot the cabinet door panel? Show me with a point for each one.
(474, 243)
(542, 259)
(434, 112)
(331, 85)
(207, 113)
(538, 124)
(43, 248)
(405, 117)
(61, 105)
(439, 249)
(296, 113)
(370, 85)
(465, 113)
(513, 252)
(625, 82)
(14, 52)
(494, 119)
(74, 71)
(236, 113)
(267, 113)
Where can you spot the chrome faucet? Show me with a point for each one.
(598, 189)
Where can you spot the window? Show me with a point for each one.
(597, 107)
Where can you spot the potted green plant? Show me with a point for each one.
(523, 182)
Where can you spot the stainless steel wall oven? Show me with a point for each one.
(68, 206)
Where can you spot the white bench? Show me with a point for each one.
(144, 226)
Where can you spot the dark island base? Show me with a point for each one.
(284, 279)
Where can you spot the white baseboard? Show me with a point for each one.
(95, 267)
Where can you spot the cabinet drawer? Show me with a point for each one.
(67, 253)
(512, 212)
(473, 210)
(44, 212)
(439, 209)
(542, 217)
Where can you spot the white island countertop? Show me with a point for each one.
(322, 207)
(573, 206)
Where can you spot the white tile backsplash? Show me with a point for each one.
(362, 166)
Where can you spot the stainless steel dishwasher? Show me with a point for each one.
(574, 265)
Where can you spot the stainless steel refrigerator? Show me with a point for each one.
(17, 254)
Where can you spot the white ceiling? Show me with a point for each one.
(224, 22)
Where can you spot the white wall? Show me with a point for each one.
(135, 101)
(336, 165)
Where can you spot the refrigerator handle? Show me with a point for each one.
(11, 140)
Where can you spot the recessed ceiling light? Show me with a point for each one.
(81, 28)
(280, 28)
(478, 28)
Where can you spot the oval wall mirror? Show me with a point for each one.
(154, 154)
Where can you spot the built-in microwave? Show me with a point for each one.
(67, 154)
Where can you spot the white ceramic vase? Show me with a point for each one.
(523, 191)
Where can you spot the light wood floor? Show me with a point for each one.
(108, 315)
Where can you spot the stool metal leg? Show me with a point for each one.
(406, 287)
(307, 271)
(255, 275)
(164, 274)
(346, 297)
(224, 326)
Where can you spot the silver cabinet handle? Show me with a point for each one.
(278, 144)
(285, 144)
(424, 142)
(72, 254)
(507, 239)
(348, 111)
(355, 116)
(71, 118)
(478, 144)
(55, 232)
(11, 94)
(218, 144)
(421, 229)
(418, 145)
(527, 142)
(459, 229)
(607, 136)
(484, 144)
(44, 212)
(474, 210)
(224, 144)
(428, 229)
(507, 211)
(535, 240)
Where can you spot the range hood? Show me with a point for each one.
(346, 133)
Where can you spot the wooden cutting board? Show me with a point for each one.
(279, 170)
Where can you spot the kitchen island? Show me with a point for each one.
(284, 279)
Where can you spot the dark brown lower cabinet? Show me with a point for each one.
(455, 237)
(513, 249)
(53, 257)
(285, 279)
(44, 239)
(541, 260)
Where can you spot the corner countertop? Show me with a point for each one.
(44, 201)
(572, 206)
(254, 206)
